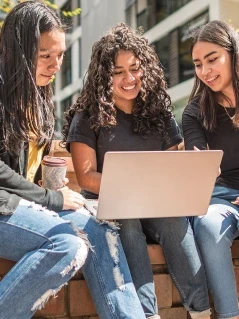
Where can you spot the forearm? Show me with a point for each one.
(90, 181)
(14, 184)
(193, 134)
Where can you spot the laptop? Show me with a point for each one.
(155, 184)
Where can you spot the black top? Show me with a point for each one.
(119, 137)
(13, 186)
(225, 137)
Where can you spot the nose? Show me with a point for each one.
(129, 77)
(206, 70)
(55, 65)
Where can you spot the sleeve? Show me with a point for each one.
(80, 131)
(174, 135)
(193, 132)
(13, 187)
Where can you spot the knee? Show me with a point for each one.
(70, 246)
(214, 228)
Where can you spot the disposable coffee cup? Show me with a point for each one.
(53, 172)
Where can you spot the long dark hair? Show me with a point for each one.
(226, 36)
(153, 104)
(24, 106)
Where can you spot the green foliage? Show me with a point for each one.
(7, 5)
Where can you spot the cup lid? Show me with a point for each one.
(54, 161)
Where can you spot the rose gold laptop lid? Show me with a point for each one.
(157, 184)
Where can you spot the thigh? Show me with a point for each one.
(220, 222)
(167, 229)
(131, 229)
(27, 229)
(133, 238)
(224, 193)
(87, 223)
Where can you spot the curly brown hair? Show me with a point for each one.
(153, 104)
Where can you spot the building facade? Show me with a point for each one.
(97, 16)
(167, 25)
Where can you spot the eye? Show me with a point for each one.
(135, 70)
(61, 55)
(117, 73)
(197, 66)
(45, 56)
(212, 60)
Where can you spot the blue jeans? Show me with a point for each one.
(49, 250)
(176, 237)
(215, 233)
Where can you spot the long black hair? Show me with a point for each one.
(153, 104)
(24, 106)
(224, 35)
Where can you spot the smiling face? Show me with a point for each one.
(126, 80)
(213, 67)
(50, 56)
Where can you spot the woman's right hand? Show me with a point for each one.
(197, 149)
(71, 200)
(236, 201)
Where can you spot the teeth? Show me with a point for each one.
(212, 79)
(129, 87)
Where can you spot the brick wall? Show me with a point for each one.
(74, 300)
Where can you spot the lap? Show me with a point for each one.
(222, 216)
(28, 228)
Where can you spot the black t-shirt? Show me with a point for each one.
(119, 137)
(225, 137)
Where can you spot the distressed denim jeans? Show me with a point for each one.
(176, 238)
(49, 249)
(215, 233)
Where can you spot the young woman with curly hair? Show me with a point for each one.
(124, 106)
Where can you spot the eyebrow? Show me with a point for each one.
(50, 51)
(206, 56)
(120, 67)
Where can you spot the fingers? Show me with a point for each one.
(195, 148)
(72, 200)
(64, 188)
(236, 201)
(65, 181)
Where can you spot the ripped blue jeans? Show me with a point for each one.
(214, 233)
(49, 249)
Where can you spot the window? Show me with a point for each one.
(186, 68)
(66, 72)
(79, 15)
(131, 16)
(174, 51)
(65, 104)
(159, 10)
(142, 20)
(71, 21)
(67, 19)
(162, 49)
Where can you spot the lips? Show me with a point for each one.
(212, 79)
(129, 87)
(47, 76)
